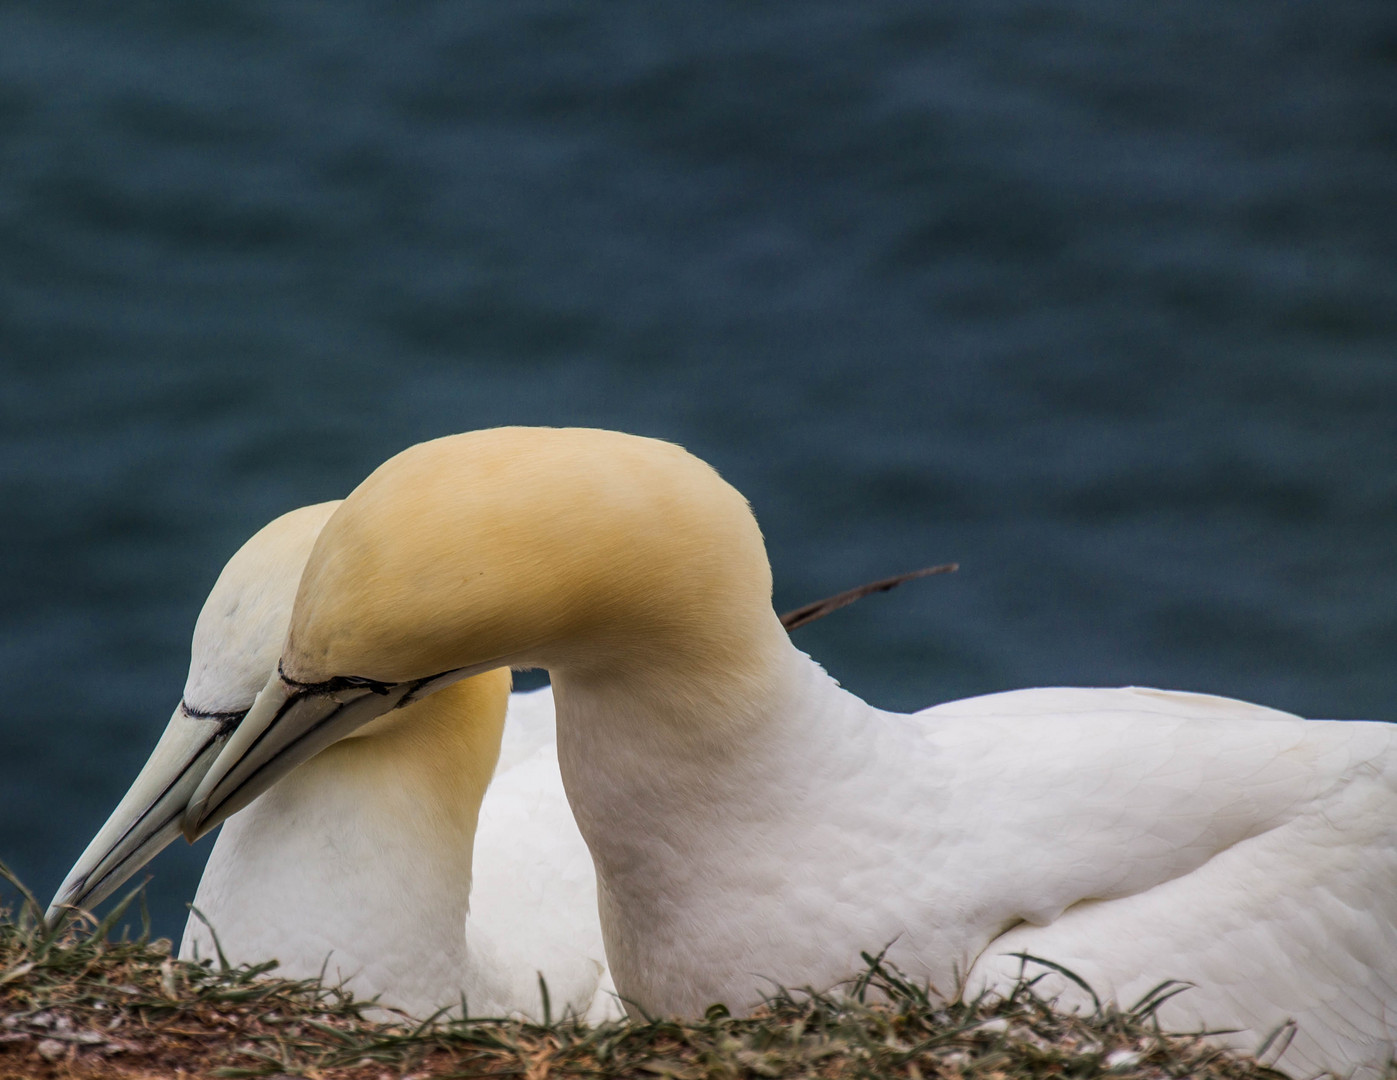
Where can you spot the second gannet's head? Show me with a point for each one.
(572, 549)
(238, 638)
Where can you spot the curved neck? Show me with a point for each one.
(436, 754)
(363, 854)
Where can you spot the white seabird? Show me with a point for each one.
(751, 821)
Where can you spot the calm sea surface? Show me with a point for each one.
(1099, 300)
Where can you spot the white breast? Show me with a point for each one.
(322, 878)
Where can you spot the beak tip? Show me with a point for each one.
(64, 904)
(62, 901)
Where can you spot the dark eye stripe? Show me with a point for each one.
(88, 886)
(339, 682)
(227, 719)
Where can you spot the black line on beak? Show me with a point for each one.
(85, 884)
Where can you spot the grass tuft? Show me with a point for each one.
(82, 1004)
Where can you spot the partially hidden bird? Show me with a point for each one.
(752, 823)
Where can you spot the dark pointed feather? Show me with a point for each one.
(795, 619)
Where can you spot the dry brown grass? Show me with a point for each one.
(79, 1005)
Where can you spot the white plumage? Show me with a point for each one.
(334, 870)
(534, 892)
(752, 822)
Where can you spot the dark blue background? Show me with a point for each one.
(1099, 300)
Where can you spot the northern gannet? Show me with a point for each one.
(751, 822)
(358, 865)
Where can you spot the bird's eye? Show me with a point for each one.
(337, 683)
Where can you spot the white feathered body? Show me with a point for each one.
(340, 868)
(1131, 835)
(320, 878)
(533, 907)
(750, 821)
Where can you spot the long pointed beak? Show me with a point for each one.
(148, 816)
(288, 724)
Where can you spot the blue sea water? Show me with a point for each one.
(1098, 300)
